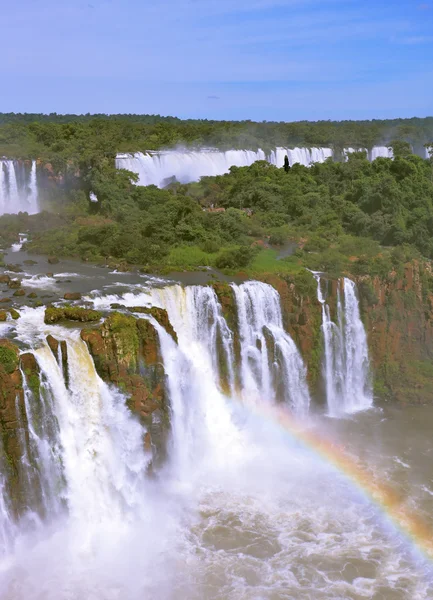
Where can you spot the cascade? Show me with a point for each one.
(346, 362)
(381, 152)
(158, 168)
(18, 188)
(271, 366)
(84, 455)
(199, 370)
(44, 443)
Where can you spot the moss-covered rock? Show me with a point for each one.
(13, 426)
(3, 316)
(14, 314)
(71, 313)
(126, 353)
(160, 315)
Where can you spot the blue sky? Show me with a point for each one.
(219, 59)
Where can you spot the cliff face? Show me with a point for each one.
(126, 353)
(398, 314)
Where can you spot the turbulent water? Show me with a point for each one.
(345, 362)
(240, 510)
(18, 187)
(159, 168)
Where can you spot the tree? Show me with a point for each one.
(286, 164)
(400, 149)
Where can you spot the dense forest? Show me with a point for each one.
(357, 215)
(86, 140)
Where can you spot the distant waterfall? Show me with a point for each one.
(271, 366)
(346, 362)
(161, 167)
(302, 156)
(18, 188)
(381, 152)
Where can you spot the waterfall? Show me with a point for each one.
(44, 442)
(198, 367)
(18, 188)
(83, 454)
(158, 168)
(381, 152)
(271, 366)
(161, 167)
(346, 363)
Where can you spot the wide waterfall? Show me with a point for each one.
(162, 167)
(346, 363)
(238, 507)
(18, 187)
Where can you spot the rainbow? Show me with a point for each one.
(417, 530)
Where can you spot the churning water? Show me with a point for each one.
(241, 510)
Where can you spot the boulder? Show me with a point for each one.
(71, 313)
(72, 296)
(20, 292)
(4, 278)
(53, 260)
(14, 284)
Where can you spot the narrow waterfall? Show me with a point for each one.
(44, 443)
(18, 188)
(346, 364)
(271, 366)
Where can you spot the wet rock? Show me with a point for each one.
(5, 300)
(4, 278)
(20, 292)
(14, 268)
(14, 284)
(72, 296)
(14, 314)
(30, 262)
(49, 274)
(32, 295)
(160, 315)
(117, 305)
(53, 344)
(13, 423)
(71, 313)
(53, 260)
(3, 316)
(127, 353)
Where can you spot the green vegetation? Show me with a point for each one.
(67, 141)
(71, 313)
(8, 357)
(341, 216)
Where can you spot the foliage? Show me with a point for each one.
(8, 358)
(346, 216)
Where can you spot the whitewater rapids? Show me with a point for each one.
(241, 510)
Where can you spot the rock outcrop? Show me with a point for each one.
(126, 353)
